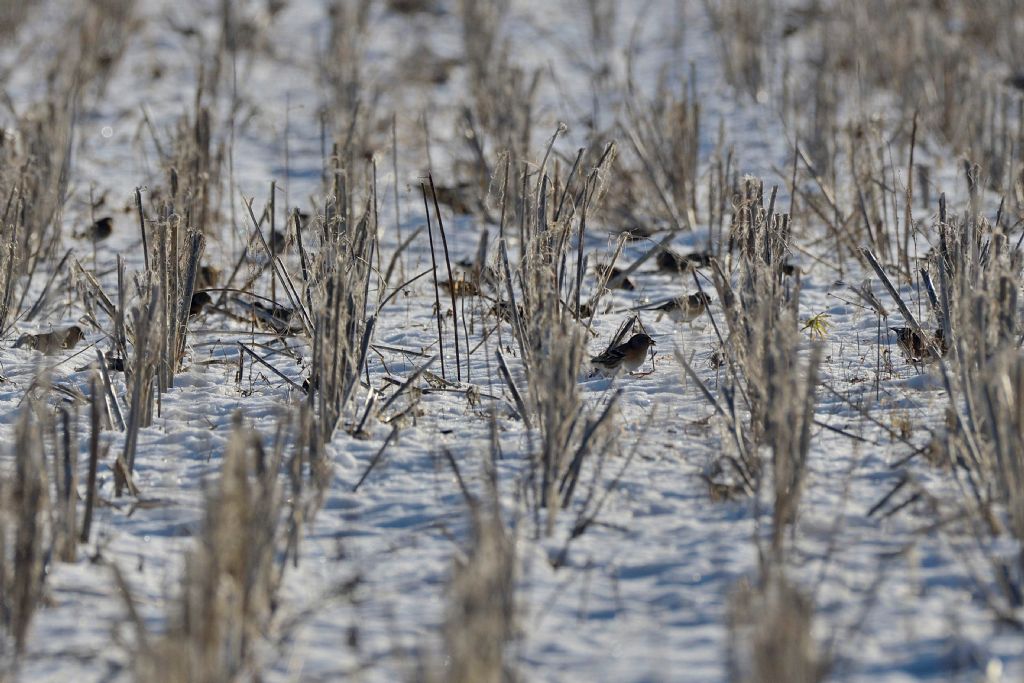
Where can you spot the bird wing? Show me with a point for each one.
(609, 357)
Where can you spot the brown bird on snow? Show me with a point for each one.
(209, 277)
(503, 311)
(51, 342)
(112, 362)
(98, 231)
(610, 273)
(671, 262)
(629, 355)
(277, 317)
(278, 242)
(200, 300)
(917, 348)
(684, 309)
(460, 287)
(699, 259)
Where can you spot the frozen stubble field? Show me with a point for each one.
(778, 494)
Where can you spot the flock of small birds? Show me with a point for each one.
(67, 338)
(627, 356)
(630, 355)
(917, 347)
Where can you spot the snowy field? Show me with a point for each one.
(348, 263)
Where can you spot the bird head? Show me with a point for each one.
(641, 341)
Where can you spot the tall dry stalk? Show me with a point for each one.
(770, 634)
(480, 617)
(26, 536)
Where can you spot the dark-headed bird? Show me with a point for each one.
(629, 355)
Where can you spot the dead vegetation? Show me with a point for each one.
(307, 285)
(480, 622)
(771, 637)
(27, 537)
(979, 277)
(230, 581)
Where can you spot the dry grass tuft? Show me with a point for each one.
(480, 618)
(770, 634)
(25, 535)
(231, 578)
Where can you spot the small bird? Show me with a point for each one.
(112, 362)
(684, 309)
(209, 277)
(503, 311)
(279, 318)
(278, 242)
(917, 348)
(413, 6)
(610, 273)
(789, 269)
(51, 342)
(629, 355)
(460, 287)
(459, 198)
(98, 231)
(200, 300)
(699, 259)
(672, 262)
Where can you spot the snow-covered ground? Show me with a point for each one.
(643, 594)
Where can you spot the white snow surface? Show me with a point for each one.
(644, 593)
